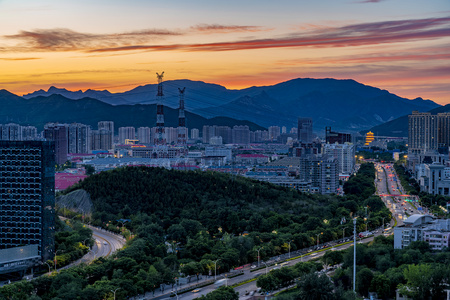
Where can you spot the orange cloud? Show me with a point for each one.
(19, 58)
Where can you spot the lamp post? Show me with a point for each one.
(343, 233)
(318, 238)
(354, 255)
(55, 258)
(290, 248)
(115, 293)
(258, 255)
(49, 269)
(266, 266)
(84, 242)
(365, 221)
(175, 292)
(215, 268)
(383, 222)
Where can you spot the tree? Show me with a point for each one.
(222, 293)
(313, 287)
(380, 285)
(267, 282)
(363, 279)
(417, 281)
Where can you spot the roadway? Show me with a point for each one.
(106, 243)
(392, 193)
(387, 185)
(251, 286)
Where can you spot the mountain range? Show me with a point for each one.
(38, 111)
(345, 105)
(399, 126)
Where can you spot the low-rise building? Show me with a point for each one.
(426, 228)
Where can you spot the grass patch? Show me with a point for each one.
(244, 282)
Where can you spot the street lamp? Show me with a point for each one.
(215, 268)
(55, 258)
(354, 255)
(318, 238)
(266, 266)
(115, 293)
(383, 222)
(258, 255)
(343, 233)
(175, 292)
(49, 269)
(290, 248)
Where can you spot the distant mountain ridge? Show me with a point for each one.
(40, 110)
(399, 126)
(345, 105)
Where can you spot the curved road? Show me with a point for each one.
(106, 243)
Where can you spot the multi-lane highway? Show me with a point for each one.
(248, 287)
(386, 187)
(392, 193)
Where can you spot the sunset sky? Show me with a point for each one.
(399, 45)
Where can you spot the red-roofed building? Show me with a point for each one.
(65, 180)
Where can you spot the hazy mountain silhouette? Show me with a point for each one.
(343, 104)
(40, 110)
(399, 126)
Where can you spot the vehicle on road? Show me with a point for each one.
(196, 290)
(220, 282)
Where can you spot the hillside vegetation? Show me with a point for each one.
(182, 221)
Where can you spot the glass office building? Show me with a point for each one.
(27, 197)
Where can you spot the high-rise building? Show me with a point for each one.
(144, 135)
(283, 129)
(101, 140)
(29, 133)
(226, 133)
(422, 132)
(126, 133)
(11, 132)
(332, 137)
(27, 203)
(107, 125)
(208, 132)
(305, 130)
(260, 136)
(15, 132)
(171, 135)
(274, 132)
(195, 133)
(241, 134)
(79, 138)
(324, 174)
(59, 134)
(344, 154)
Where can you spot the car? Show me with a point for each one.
(246, 293)
(105, 243)
(253, 267)
(196, 290)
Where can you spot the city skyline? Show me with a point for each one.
(401, 46)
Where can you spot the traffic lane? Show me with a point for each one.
(249, 275)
